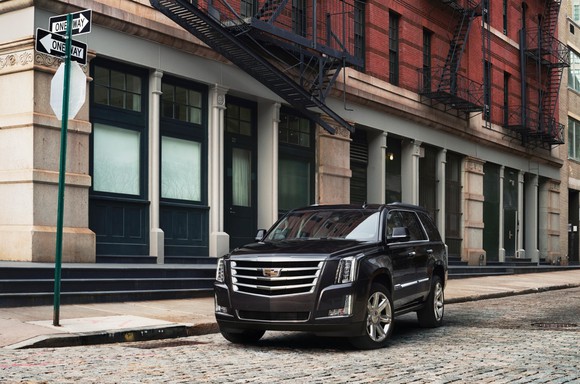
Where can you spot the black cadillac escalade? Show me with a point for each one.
(335, 270)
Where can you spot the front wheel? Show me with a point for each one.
(379, 319)
(431, 315)
(243, 337)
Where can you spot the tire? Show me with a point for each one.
(431, 315)
(379, 319)
(243, 336)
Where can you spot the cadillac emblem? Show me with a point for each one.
(271, 272)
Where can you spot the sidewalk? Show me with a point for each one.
(84, 324)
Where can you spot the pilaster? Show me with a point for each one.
(473, 197)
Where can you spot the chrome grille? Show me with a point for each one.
(275, 277)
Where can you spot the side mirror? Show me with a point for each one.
(260, 235)
(400, 234)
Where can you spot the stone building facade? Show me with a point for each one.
(179, 154)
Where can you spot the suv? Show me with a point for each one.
(334, 270)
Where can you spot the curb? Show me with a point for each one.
(118, 336)
(499, 295)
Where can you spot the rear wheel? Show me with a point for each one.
(379, 319)
(243, 336)
(431, 315)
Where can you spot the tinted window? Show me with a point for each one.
(432, 231)
(406, 219)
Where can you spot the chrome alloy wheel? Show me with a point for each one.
(379, 316)
(438, 301)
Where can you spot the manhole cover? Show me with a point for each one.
(165, 344)
(555, 325)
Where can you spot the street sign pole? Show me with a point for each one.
(62, 172)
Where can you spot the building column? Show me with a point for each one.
(29, 167)
(333, 160)
(531, 223)
(157, 237)
(500, 229)
(376, 172)
(520, 251)
(411, 152)
(473, 251)
(268, 121)
(441, 164)
(549, 222)
(219, 241)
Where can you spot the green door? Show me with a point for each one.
(240, 184)
(510, 209)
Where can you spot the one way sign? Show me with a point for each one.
(55, 45)
(81, 23)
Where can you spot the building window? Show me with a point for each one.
(573, 139)
(238, 120)
(296, 162)
(505, 17)
(485, 10)
(118, 89)
(299, 17)
(427, 37)
(574, 71)
(248, 8)
(487, 90)
(393, 178)
(394, 48)
(506, 92)
(116, 160)
(180, 169)
(359, 31)
(576, 11)
(181, 104)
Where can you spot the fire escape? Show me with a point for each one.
(296, 52)
(538, 126)
(446, 85)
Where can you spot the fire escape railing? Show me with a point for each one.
(539, 126)
(445, 84)
(296, 53)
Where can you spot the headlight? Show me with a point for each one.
(346, 271)
(220, 271)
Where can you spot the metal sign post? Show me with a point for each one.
(62, 172)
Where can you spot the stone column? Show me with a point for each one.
(549, 221)
(333, 159)
(219, 241)
(411, 152)
(520, 252)
(376, 173)
(531, 223)
(29, 163)
(157, 237)
(473, 251)
(500, 229)
(268, 121)
(441, 163)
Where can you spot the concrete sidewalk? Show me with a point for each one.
(84, 324)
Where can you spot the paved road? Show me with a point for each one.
(532, 338)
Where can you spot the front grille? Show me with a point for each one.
(275, 277)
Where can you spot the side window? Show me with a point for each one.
(432, 231)
(411, 221)
(394, 220)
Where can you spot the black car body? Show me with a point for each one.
(335, 270)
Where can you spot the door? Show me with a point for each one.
(509, 233)
(240, 184)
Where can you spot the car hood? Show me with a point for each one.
(301, 247)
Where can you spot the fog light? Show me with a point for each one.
(346, 310)
(219, 308)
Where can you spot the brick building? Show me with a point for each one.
(194, 135)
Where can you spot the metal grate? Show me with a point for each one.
(275, 278)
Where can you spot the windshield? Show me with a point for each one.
(343, 224)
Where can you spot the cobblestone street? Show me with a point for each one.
(522, 339)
